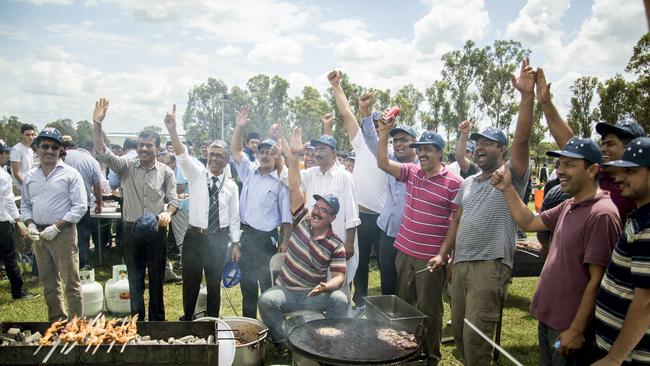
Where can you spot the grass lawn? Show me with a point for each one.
(519, 334)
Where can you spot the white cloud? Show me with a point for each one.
(48, 2)
(53, 53)
(347, 27)
(451, 21)
(55, 78)
(229, 51)
(279, 51)
(538, 24)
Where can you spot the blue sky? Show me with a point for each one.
(58, 56)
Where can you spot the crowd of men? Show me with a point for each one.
(394, 195)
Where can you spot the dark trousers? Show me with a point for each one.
(140, 255)
(368, 233)
(256, 252)
(9, 255)
(387, 270)
(203, 253)
(84, 231)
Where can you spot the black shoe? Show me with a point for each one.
(24, 295)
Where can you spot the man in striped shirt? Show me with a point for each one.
(313, 249)
(623, 303)
(430, 192)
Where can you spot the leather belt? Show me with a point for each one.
(198, 229)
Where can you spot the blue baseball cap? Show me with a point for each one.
(430, 138)
(403, 128)
(231, 274)
(145, 225)
(331, 200)
(326, 140)
(491, 133)
(580, 148)
(376, 116)
(50, 133)
(636, 154)
(625, 128)
(470, 146)
(4, 147)
(268, 142)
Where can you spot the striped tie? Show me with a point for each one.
(213, 213)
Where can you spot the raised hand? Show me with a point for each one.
(275, 131)
(328, 121)
(501, 178)
(170, 119)
(543, 89)
(465, 127)
(242, 116)
(295, 143)
(334, 77)
(101, 106)
(526, 81)
(365, 103)
(386, 124)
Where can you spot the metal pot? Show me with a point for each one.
(252, 337)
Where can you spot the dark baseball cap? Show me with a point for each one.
(4, 147)
(50, 133)
(352, 155)
(625, 128)
(326, 140)
(491, 133)
(331, 200)
(636, 154)
(580, 148)
(430, 138)
(268, 142)
(470, 146)
(403, 128)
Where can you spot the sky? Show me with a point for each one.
(58, 56)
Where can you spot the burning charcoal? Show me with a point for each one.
(149, 343)
(33, 338)
(171, 340)
(201, 341)
(13, 333)
(187, 339)
(7, 340)
(145, 338)
(161, 342)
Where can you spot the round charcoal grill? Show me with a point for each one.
(359, 343)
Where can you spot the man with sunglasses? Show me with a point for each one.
(53, 201)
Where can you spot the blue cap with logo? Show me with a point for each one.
(3, 146)
(470, 146)
(50, 133)
(625, 128)
(491, 133)
(326, 140)
(430, 138)
(144, 226)
(580, 148)
(331, 200)
(637, 153)
(268, 142)
(403, 128)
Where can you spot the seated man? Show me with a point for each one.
(313, 250)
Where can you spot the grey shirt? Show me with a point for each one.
(144, 190)
(87, 166)
(486, 230)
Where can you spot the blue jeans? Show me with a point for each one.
(548, 355)
(278, 300)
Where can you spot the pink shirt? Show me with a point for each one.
(428, 210)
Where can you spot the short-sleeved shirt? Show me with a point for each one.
(584, 233)
(371, 182)
(308, 260)
(486, 230)
(25, 156)
(473, 169)
(428, 210)
(628, 269)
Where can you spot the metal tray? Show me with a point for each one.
(394, 310)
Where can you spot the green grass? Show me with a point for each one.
(519, 334)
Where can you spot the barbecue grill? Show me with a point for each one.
(358, 344)
(134, 354)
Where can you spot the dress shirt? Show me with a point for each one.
(145, 190)
(88, 167)
(113, 179)
(371, 182)
(24, 155)
(59, 196)
(198, 177)
(8, 209)
(264, 202)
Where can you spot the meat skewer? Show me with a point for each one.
(49, 333)
(131, 331)
(95, 333)
(47, 357)
(109, 328)
(116, 334)
(68, 332)
(84, 328)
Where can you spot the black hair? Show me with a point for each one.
(26, 127)
(252, 135)
(130, 144)
(150, 134)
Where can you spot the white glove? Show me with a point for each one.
(50, 232)
(33, 233)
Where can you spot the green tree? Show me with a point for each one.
(582, 115)
(85, 132)
(537, 136)
(202, 117)
(278, 99)
(614, 99)
(438, 101)
(382, 99)
(408, 98)
(307, 111)
(10, 130)
(65, 126)
(353, 92)
(639, 90)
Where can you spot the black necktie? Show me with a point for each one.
(213, 213)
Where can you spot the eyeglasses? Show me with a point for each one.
(486, 143)
(45, 146)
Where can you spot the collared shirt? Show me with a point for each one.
(264, 202)
(145, 190)
(8, 209)
(198, 177)
(25, 156)
(308, 260)
(59, 196)
(584, 233)
(390, 217)
(88, 167)
(114, 180)
(370, 181)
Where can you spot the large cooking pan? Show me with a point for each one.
(358, 344)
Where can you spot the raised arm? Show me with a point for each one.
(367, 126)
(525, 84)
(464, 128)
(291, 156)
(559, 129)
(170, 124)
(328, 121)
(391, 167)
(349, 121)
(115, 163)
(235, 141)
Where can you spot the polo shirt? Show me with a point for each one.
(584, 233)
(308, 260)
(428, 210)
(628, 269)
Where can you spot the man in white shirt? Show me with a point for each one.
(214, 213)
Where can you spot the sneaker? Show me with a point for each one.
(24, 295)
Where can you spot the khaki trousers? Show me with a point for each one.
(477, 293)
(424, 291)
(59, 260)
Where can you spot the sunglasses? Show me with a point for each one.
(45, 146)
